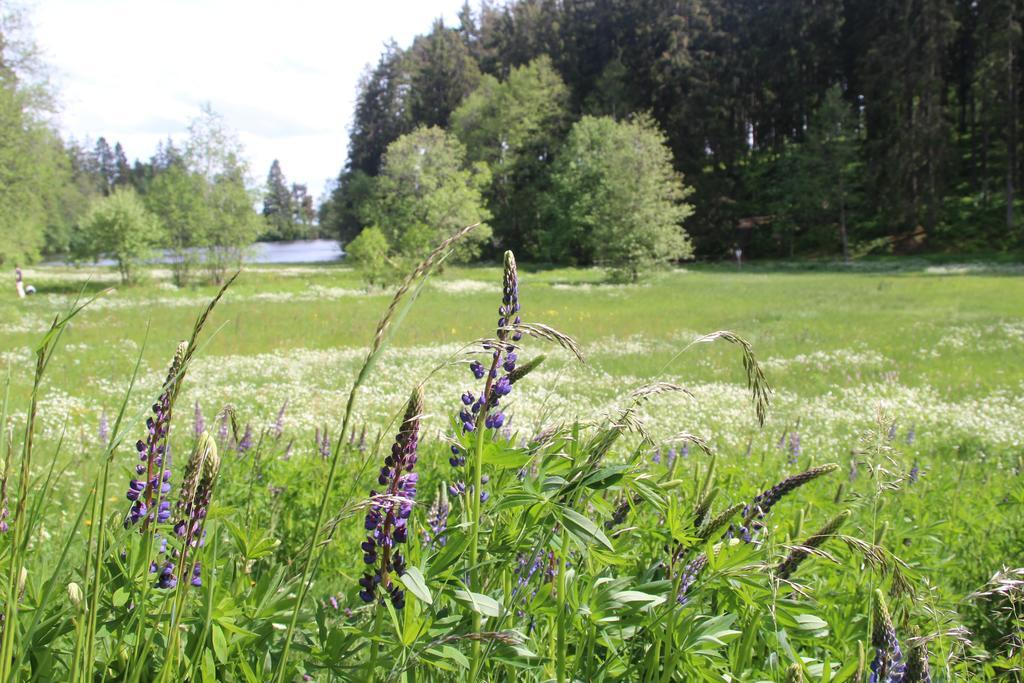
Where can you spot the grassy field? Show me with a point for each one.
(941, 353)
(911, 379)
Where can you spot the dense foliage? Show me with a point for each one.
(923, 97)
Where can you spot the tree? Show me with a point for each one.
(618, 201)
(442, 73)
(215, 155)
(426, 191)
(122, 171)
(514, 127)
(106, 166)
(38, 201)
(369, 252)
(119, 226)
(176, 196)
(382, 112)
(303, 213)
(277, 205)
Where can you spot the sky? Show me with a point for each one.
(282, 74)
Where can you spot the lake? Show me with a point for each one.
(298, 251)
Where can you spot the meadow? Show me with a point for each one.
(621, 537)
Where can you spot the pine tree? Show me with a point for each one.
(277, 205)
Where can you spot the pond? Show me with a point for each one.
(299, 251)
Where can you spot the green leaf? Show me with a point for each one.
(220, 644)
(449, 652)
(480, 603)
(637, 596)
(584, 529)
(417, 585)
(208, 668)
(120, 597)
(506, 458)
(605, 477)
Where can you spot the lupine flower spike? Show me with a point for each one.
(799, 553)
(147, 494)
(104, 430)
(194, 501)
(763, 503)
(437, 518)
(483, 411)
(888, 665)
(198, 422)
(387, 517)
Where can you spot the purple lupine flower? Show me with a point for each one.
(246, 442)
(684, 451)
(387, 517)
(147, 494)
(166, 579)
(483, 411)
(892, 432)
(323, 443)
(197, 487)
(670, 457)
(887, 665)
(222, 430)
(437, 519)
(690, 575)
(199, 422)
(5, 511)
(794, 447)
(278, 427)
(104, 430)
(911, 435)
(762, 504)
(656, 458)
(915, 473)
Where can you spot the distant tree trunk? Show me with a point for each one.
(842, 219)
(1011, 128)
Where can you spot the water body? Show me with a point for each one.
(299, 251)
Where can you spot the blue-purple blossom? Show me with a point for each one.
(437, 520)
(246, 441)
(104, 430)
(794, 447)
(690, 575)
(483, 411)
(278, 428)
(197, 488)
(888, 665)
(387, 516)
(199, 422)
(147, 494)
(166, 579)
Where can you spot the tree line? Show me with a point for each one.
(192, 199)
(825, 128)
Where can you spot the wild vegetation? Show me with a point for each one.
(295, 513)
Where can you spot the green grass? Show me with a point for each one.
(937, 356)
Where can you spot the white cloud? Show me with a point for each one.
(282, 75)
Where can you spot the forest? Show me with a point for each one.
(838, 127)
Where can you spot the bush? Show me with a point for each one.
(119, 226)
(369, 253)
